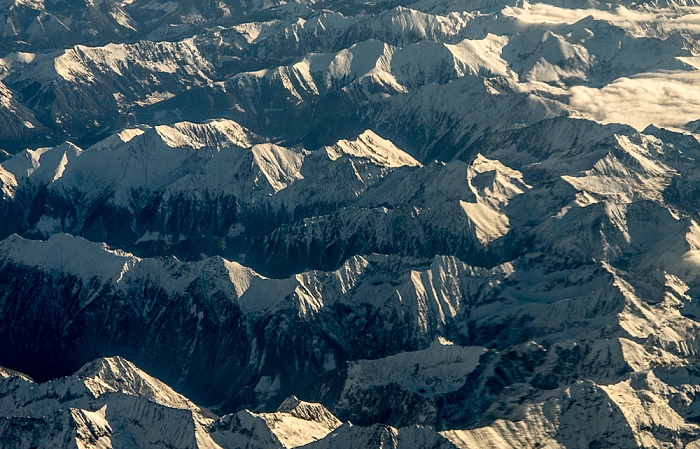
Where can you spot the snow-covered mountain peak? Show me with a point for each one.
(309, 411)
(240, 276)
(295, 424)
(108, 404)
(549, 58)
(63, 253)
(43, 165)
(480, 56)
(493, 183)
(173, 137)
(352, 63)
(280, 166)
(212, 134)
(252, 31)
(376, 149)
(429, 26)
(87, 64)
(633, 169)
(97, 380)
(219, 133)
(116, 374)
(423, 372)
(134, 164)
(128, 134)
(6, 373)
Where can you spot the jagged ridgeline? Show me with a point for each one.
(349, 224)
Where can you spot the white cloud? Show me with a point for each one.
(633, 21)
(668, 99)
(665, 99)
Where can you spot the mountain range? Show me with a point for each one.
(349, 224)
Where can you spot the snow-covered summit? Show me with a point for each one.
(370, 146)
(67, 254)
(308, 411)
(116, 374)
